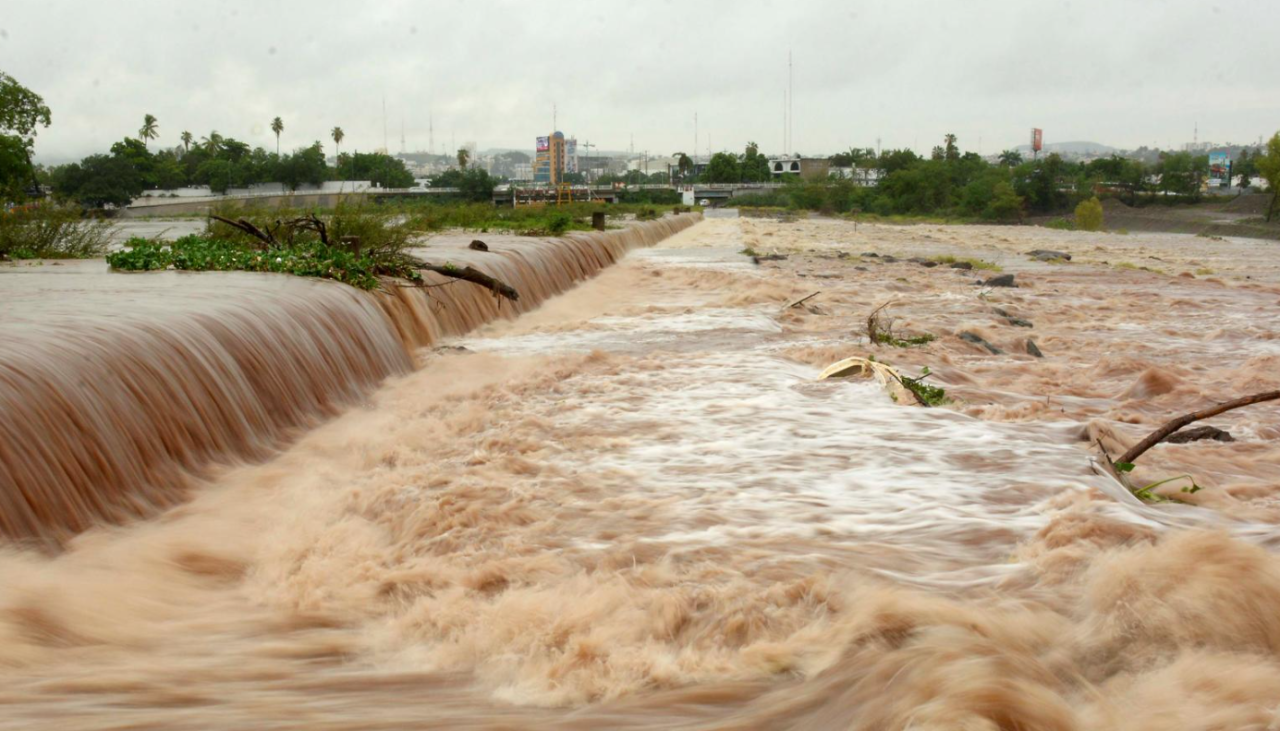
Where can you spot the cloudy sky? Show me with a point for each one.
(1119, 72)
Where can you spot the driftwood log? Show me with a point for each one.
(470, 274)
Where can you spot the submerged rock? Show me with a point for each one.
(1199, 433)
(961, 265)
(1048, 255)
(1033, 349)
(1004, 280)
(976, 339)
(478, 245)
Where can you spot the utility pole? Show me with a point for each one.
(784, 121)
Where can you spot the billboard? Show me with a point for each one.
(1219, 165)
(1037, 139)
(544, 144)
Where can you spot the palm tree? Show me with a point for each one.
(337, 144)
(1011, 158)
(464, 155)
(277, 126)
(213, 143)
(149, 129)
(951, 152)
(186, 141)
(683, 164)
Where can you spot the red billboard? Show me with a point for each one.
(544, 144)
(1037, 139)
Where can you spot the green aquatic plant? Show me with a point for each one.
(926, 394)
(308, 258)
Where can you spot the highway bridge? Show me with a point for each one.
(506, 195)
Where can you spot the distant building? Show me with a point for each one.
(809, 168)
(554, 156)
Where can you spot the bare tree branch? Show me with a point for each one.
(1172, 426)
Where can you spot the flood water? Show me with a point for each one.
(635, 506)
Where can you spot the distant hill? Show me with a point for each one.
(1070, 148)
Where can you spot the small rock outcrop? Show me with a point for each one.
(978, 340)
(1004, 280)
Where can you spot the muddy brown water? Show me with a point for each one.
(634, 506)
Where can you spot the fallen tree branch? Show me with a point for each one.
(473, 275)
(1174, 425)
(249, 228)
(802, 300)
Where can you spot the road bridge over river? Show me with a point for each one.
(507, 195)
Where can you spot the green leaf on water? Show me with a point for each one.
(1124, 466)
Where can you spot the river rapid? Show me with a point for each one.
(636, 507)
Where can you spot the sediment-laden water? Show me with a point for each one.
(635, 507)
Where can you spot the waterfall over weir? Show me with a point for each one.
(116, 388)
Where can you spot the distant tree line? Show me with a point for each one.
(221, 163)
(962, 184)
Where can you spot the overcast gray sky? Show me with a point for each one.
(1119, 72)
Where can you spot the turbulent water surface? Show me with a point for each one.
(636, 507)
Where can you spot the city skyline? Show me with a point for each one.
(910, 76)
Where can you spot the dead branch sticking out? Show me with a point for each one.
(1174, 425)
(313, 223)
(264, 236)
(473, 275)
(802, 300)
(878, 330)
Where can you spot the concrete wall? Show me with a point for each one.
(178, 206)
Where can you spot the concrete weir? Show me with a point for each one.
(117, 389)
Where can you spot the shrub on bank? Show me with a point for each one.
(52, 232)
(1089, 215)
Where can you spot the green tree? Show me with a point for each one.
(386, 171)
(1005, 204)
(1089, 215)
(304, 166)
(892, 161)
(476, 185)
(187, 137)
(22, 112)
(1268, 162)
(951, 152)
(1245, 167)
(754, 167)
(723, 168)
(684, 165)
(216, 174)
(98, 181)
(464, 156)
(150, 129)
(1011, 158)
(277, 126)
